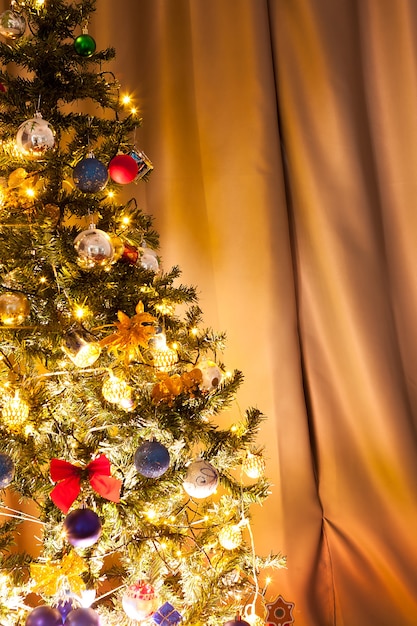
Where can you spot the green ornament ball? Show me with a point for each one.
(85, 45)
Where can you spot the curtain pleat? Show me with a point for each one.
(346, 86)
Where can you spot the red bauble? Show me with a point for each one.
(123, 169)
(2, 88)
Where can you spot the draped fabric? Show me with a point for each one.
(284, 139)
(283, 135)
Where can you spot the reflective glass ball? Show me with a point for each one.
(152, 459)
(35, 137)
(212, 375)
(85, 45)
(82, 529)
(148, 260)
(94, 248)
(90, 175)
(12, 24)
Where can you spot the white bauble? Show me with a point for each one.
(212, 375)
(201, 479)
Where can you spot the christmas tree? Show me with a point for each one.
(112, 390)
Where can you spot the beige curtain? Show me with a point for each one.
(284, 136)
(314, 278)
(284, 139)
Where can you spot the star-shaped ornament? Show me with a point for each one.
(280, 612)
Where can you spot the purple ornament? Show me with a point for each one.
(44, 616)
(236, 622)
(64, 607)
(152, 459)
(82, 528)
(82, 617)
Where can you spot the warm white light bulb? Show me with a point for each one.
(80, 312)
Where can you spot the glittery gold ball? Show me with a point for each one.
(87, 355)
(15, 413)
(117, 391)
(164, 359)
(230, 537)
(163, 356)
(254, 465)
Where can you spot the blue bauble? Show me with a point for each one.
(152, 459)
(82, 528)
(6, 470)
(90, 175)
(82, 617)
(44, 616)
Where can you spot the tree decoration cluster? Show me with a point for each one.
(112, 405)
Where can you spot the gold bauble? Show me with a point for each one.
(52, 212)
(117, 391)
(230, 537)
(164, 357)
(15, 413)
(14, 308)
(254, 465)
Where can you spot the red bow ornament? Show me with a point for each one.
(69, 477)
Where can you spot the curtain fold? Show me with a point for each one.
(346, 84)
(205, 81)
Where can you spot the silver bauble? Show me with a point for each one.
(12, 24)
(94, 248)
(148, 260)
(35, 137)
